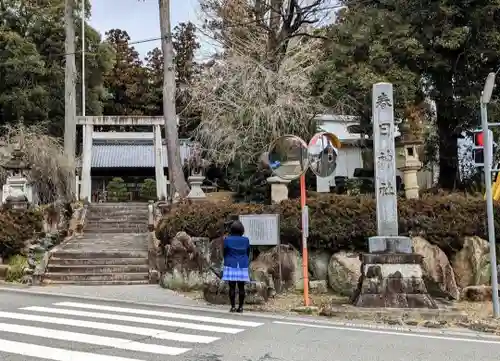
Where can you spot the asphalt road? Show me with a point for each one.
(37, 327)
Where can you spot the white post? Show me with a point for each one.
(83, 59)
(489, 208)
(77, 187)
(86, 187)
(159, 174)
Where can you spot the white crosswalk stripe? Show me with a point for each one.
(160, 314)
(109, 328)
(152, 321)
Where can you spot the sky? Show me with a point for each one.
(140, 18)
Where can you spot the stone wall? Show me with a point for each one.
(444, 278)
(193, 263)
(59, 224)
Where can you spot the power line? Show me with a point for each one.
(203, 32)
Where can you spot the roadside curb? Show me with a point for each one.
(352, 319)
(396, 314)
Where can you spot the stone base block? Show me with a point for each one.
(396, 244)
(400, 300)
(394, 258)
(386, 283)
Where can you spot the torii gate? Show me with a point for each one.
(88, 123)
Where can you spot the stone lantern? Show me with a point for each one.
(16, 193)
(407, 159)
(197, 166)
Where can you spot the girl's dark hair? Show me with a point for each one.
(236, 229)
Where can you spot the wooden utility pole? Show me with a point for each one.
(175, 172)
(70, 84)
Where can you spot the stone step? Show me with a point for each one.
(97, 269)
(119, 204)
(131, 210)
(113, 219)
(116, 214)
(143, 208)
(116, 229)
(106, 249)
(100, 254)
(55, 261)
(78, 277)
(102, 239)
(119, 209)
(115, 236)
(103, 246)
(48, 282)
(97, 242)
(117, 222)
(137, 228)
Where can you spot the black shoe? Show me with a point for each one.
(240, 310)
(232, 309)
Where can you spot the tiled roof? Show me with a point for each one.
(129, 155)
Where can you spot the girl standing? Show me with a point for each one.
(236, 262)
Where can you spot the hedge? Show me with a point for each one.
(16, 228)
(340, 222)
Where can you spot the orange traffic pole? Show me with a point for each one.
(305, 271)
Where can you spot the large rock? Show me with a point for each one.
(186, 267)
(471, 264)
(438, 273)
(216, 253)
(266, 275)
(4, 269)
(344, 270)
(217, 292)
(318, 264)
(318, 286)
(480, 293)
(278, 268)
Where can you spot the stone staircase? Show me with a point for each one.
(112, 251)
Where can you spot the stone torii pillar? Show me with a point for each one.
(161, 187)
(86, 186)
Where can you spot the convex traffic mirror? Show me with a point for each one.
(322, 153)
(287, 157)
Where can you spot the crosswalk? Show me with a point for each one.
(78, 331)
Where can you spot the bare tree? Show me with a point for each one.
(245, 105)
(176, 174)
(275, 22)
(70, 82)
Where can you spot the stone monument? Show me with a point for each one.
(391, 274)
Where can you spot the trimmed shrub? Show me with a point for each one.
(17, 265)
(16, 228)
(147, 191)
(340, 222)
(117, 190)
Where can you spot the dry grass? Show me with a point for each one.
(220, 197)
(285, 302)
(52, 172)
(476, 310)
